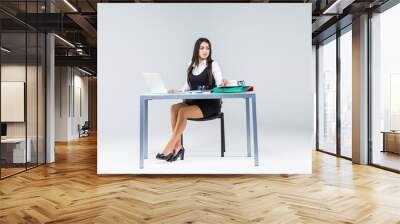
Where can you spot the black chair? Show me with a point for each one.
(84, 130)
(220, 116)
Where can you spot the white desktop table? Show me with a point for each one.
(19, 155)
(251, 117)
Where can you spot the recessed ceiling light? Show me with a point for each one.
(84, 71)
(5, 50)
(70, 5)
(64, 40)
(338, 6)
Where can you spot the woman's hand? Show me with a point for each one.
(172, 90)
(224, 82)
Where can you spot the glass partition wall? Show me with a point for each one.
(334, 91)
(13, 89)
(327, 95)
(385, 89)
(334, 105)
(22, 77)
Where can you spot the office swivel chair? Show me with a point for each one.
(220, 116)
(84, 130)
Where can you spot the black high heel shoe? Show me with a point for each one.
(165, 157)
(181, 153)
(160, 156)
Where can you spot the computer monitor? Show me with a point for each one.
(3, 129)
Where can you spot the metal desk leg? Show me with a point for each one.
(255, 136)
(248, 126)
(146, 129)
(141, 131)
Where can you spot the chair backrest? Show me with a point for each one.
(86, 125)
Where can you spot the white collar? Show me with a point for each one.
(203, 62)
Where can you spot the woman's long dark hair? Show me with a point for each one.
(195, 60)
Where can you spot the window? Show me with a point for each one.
(346, 93)
(327, 96)
(385, 89)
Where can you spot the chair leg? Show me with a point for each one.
(182, 140)
(222, 136)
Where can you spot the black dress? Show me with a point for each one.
(208, 107)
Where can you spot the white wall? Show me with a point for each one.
(268, 45)
(67, 84)
(16, 73)
(79, 117)
(61, 103)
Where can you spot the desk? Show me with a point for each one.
(391, 141)
(251, 117)
(18, 151)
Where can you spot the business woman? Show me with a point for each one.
(202, 71)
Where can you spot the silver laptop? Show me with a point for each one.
(154, 82)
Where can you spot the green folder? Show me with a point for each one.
(233, 89)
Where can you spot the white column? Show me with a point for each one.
(50, 92)
(50, 100)
(360, 90)
(63, 103)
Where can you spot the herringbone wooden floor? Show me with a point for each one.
(70, 191)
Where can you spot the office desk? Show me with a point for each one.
(251, 117)
(391, 141)
(17, 151)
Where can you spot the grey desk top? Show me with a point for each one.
(187, 95)
(391, 132)
(14, 140)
